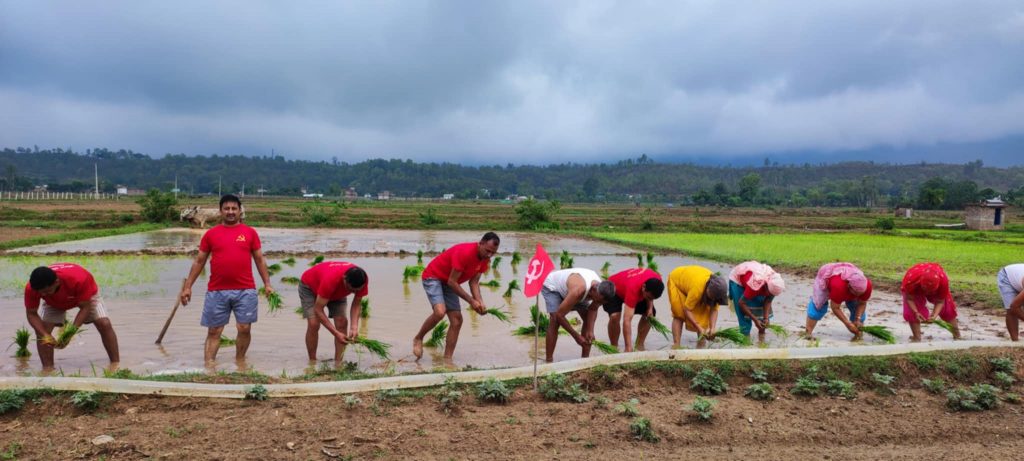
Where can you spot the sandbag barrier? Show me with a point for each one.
(237, 391)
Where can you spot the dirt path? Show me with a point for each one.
(911, 424)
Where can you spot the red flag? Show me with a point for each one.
(537, 270)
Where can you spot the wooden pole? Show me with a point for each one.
(177, 302)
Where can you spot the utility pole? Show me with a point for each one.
(175, 187)
(96, 172)
(219, 194)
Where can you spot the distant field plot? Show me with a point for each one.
(971, 265)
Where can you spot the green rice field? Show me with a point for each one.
(971, 265)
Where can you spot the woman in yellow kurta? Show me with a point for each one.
(695, 293)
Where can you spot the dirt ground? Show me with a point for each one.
(17, 233)
(911, 424)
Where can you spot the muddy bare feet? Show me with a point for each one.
(417, 348)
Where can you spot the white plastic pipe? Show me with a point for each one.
(237, 391)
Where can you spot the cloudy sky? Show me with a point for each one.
(519, 81)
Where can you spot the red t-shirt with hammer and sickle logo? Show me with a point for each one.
(230, 248)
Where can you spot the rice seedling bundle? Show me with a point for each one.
(879, 332)
(438, 334)
(66, 333)
(364, 308)
(317, 260)
(516, 258)
(537, 321)
(491, 283)
(273, 268)
(639, 260)
(290, 261)
(652, 266)
(778, 330)
(943, 324)
(419, 257)
(650, 258)
(498, 314)
(21, 338)
(658, 326)
(291, 280)
(605, 347)
(378, 348)
(495, 261)
(225, 341)
(273, 300)
(733, 335)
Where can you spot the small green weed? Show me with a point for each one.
(759, 376)
(709, 382)
(807, 386)
(840, 388)
(449, 396)
(642, 430)
(556, 387)
(11, 453)
(760, 391)
(493, 390)
(87, 400)
(1004, 379)
(257, 392)
(1003, 364)
(976, 398)
(935, 386)
(923, 361)
(883, 383)
(628, 408)
(703, 408)
(352, 401)
(11, 400)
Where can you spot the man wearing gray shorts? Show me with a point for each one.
(60, 288)
(234, 246)
(442, 282)
(1011, 287)
(577, 289)
(329, 284)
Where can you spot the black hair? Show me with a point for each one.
(655, 287)
(355, 277)
(491, 236)
(42, 277)
(230, 198)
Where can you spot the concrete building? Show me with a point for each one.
(986, 215)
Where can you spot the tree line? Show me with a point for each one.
(921, 185)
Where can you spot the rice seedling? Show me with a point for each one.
(733, 335)
(419, 257)
(650, 258)
(605, 268)
(879, 332)
(659, 327)
(944, 325)
(498, 314)
(273, 268)
(604, 347)
(491, 284)
(21, 337)
(495, 261)
(299, 310)
(565, 260)
(411, 272)
(438, 334)
(653, 266)
(225, 341)
(779, 330)
(290, 261)
(493, 390)
(639, 260)
(516, 258)
(513, 285)
(317, 260)
(66, 333)
(378, 348)
(538, 321)
(364, 308)
(703, 408)
(290, 279)
(273, 300)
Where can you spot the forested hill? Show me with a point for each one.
(837, 184)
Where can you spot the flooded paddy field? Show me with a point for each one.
(140, 289)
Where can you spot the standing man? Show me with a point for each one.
(837, 284)
(442, 281)
(329, 284)
(63, 287)
(580, 290)
(234, 246)
(636, 289)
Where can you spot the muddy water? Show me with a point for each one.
(328, 241)
(139, 292)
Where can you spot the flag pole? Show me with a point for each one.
(536, 338)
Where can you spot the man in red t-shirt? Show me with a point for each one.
(635, 292)
(442, 281)
(329, 284)
(234, 246)
(62, 287)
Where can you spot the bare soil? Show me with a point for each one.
(911, 424)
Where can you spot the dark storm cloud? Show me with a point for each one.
(510, 81)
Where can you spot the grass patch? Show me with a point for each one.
(79, 235)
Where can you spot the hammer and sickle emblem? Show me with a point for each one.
(533, 274)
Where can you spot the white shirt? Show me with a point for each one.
(1015, 272)
(558, 281)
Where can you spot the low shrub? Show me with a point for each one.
(556, 387)
(760, 391)
(709, 382)
(703, 408)
(493, 390)
(642, 430)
